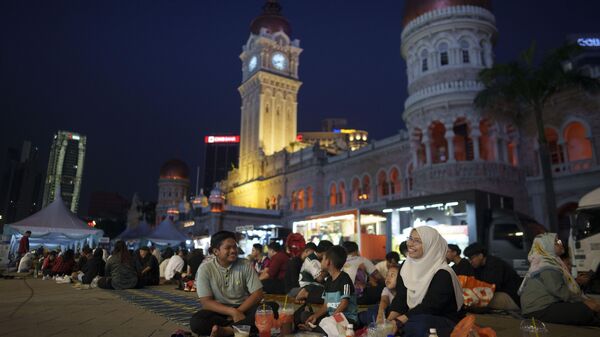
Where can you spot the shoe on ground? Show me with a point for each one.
(65, 280)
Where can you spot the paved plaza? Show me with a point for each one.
(32, 307)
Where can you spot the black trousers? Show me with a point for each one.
(202, 322)
(567, 313)
(370, 295)
(105, 283)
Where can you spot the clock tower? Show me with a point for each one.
(269, 90)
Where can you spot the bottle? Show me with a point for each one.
(433, 332)
(349, 330)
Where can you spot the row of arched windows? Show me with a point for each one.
(302, 199)
(387, 183)
(570, 145)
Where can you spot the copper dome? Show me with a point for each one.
(174, 169)
(271, 19)
(416, 8)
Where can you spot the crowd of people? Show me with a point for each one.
(418, 289)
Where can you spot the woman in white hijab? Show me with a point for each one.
(549, 292)
(428, 292)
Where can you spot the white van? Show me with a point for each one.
(585, 233)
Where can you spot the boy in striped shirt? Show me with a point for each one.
(339, 296)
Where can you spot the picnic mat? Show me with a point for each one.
(176, 308)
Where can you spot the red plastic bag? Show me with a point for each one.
(476, 293)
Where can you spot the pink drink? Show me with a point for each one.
(264, 321)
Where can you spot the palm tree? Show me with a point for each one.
(520, 90)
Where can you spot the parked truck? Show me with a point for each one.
(585, 234)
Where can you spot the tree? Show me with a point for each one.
(521, 89)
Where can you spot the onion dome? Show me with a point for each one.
(271, 19)
(174, 169)
(416, 8)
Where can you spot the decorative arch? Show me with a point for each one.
(366, 186)
(382, 183)
(579, 146)
(332, 195)
(395, 185)
(300, 202)
(356, 188)
(463, 143)
(439, 145)
(341, 199)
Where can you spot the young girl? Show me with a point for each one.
(388, 293)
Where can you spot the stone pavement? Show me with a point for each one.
(33, 307)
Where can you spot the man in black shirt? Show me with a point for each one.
(461, 266)
(494, 270)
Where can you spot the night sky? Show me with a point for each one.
(146, 80)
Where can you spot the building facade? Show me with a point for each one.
(449, 145)
(173, 189)
(65, 169)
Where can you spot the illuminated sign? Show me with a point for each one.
(221, 139)
(299, 137)
(344, 130)
(588, 41)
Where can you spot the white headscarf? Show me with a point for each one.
(418, 273)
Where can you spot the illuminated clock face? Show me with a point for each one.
(252, 63)
(279, 61)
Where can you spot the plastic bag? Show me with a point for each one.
(476, 293)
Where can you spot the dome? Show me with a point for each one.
(271, 19)
(174, 169)
(416, 8)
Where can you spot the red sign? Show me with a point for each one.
(299, 137)
(221, 139)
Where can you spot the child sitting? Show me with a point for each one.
(338, 296)
(381, 311)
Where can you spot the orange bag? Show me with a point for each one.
(476, 293)
(467, 325)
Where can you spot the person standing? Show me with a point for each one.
(24, 244)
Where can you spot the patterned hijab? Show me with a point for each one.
(542, 256)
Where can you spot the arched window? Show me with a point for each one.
(382, 184)
(486, 146)
(464, 51)
(341, 193)
(463, 144)
(355, 189)
(579, 147)
(366, 187)
(332, 195)
(309, 198)
(424, 64)
(294, 204)
(443, 49)
(301, 199)
(556, 151)
(439, 146)
(394, 181)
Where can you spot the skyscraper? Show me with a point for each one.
(65, 168)
(220, 156)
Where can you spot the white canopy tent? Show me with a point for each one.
(166, 234)
(54, 226)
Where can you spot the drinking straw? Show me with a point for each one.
(285, 301)
(534, 327)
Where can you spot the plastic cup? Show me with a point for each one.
(372, 330)
(264, 320)
(286, 321)
(241, 330)
(533, 328)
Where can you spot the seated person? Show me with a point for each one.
(294, 248)
(391, 258)
(428, 294)
(64, 264)
(312, 276)
(194, 262)
(549, 292)
(95, 267)
(494, 270)
(381, 311)
(460, 266)
(363, 274)
(273, 277)
(228, 288)
(148, 268)
(26, 263)
(260, 261)
(48, 264)
(339, 295)
(120, 272)
(80, 266)
(166, 256)
(175, 268)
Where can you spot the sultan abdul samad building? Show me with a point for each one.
(448, 146)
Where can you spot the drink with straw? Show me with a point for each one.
(264, 320)
(286, 321)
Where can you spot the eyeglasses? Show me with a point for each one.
(415, 241)
(558, 242)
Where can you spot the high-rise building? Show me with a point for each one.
(220, 156)
(21, 184)
(65, 168)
